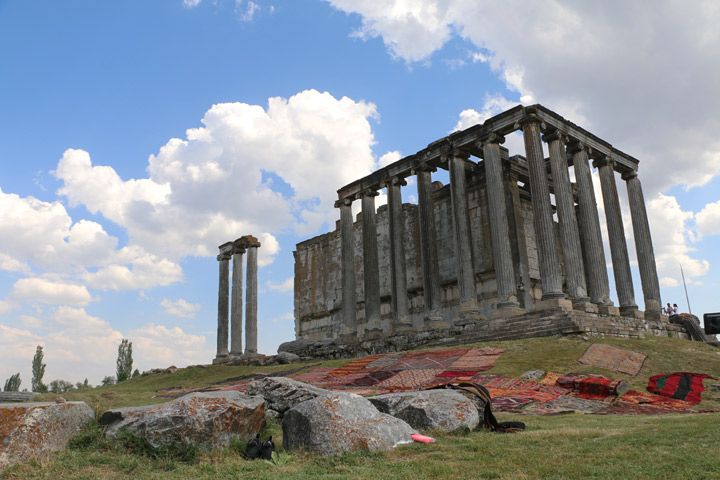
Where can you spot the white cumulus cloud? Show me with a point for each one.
(639, 79)
(180, 308)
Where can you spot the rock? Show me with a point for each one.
(445, 410)
(286, 357)
(342, 422)
(171, 369)
(533, 375)
(205, 419)
(33, 430)
(282, 394)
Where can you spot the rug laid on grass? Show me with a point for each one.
(680, 386)
(550, 393)
(613, 358)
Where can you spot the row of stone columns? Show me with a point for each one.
(579, 230)
(230, 321)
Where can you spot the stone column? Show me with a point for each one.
(589, 222)
(398, 274)
(569, 233)
(457, 162)
(644, 246)
(428, 239)
(616, 234)
(223, 304)
(549, 262)
(236, 315)
(371, 267)
(347, 236)
(252, 244)
(499, 228)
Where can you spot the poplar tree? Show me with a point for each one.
(124, 361)
(38, 371)
(12, 384)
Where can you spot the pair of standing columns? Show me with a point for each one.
(235, 250)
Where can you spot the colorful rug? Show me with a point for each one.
(680, 386)
(593, 387)
(613, 358)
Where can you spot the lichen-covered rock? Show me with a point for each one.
(205, 419)
(446, 410)
(33, 430)
(342, 422)
(287, 357)
(282, 394)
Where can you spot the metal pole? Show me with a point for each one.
(687, 298)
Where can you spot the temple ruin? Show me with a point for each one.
(230, 320)
(510, 248)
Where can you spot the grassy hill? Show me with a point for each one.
(565, 446)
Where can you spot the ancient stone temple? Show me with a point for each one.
(230, 320)
(510, 248)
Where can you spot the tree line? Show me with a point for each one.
(123, 372)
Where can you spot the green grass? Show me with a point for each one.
(553, 447)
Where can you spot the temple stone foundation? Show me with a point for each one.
(510, 248)
(230, 300)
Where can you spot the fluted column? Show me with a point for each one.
(428, 239)
(223, 304)
(616, 234)
(236, 315)
(499, 228)
(398, 273)
(589, 223)
(644, 246)
(550, 275)
(252, 244)
(371, 268)
(347, 238)
(457, 161)
(569, 233)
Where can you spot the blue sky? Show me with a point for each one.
(108, 225)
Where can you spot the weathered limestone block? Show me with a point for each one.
(33, 430)
(205, 419)
(287, 357)
(342, 422)
(282, 394)
(446, 410)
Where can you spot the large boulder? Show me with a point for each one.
(342, 422)
(205, 419)
(446, 410)
(33, 430)
(282, 394)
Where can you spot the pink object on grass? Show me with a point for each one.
(422, 438)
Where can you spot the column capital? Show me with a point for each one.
(425, 167)
(397, 181)
(601, 160)
(491, 138)
(531, 118)
(226, 247)
(573, 145)
(369, 192)
(553, 135)
(250, 242)
(343, 202)
(238, 246)
(629, 175)
(223, 256)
